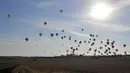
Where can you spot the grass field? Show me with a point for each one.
(69, 64)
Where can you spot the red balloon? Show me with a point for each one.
(56, 34)
(113, 41)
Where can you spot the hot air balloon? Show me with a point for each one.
(9, 15)
(94, 54)
(78, 45)
(61, 37)
(45, 52)
(62, 30)
(96, 35)
(56, 34)
(52, 34)
(76, 48)
(84, 41)
(64, 36)
(107, 40)
(89, 49)
(113, 41)
(114, 53)
(98, 51)
(106, 50)
(91, 35)
(100, 47)
(124, 45)
(40, 34)
(116, 50)
(109, 48)
(75, 40)
(113, 46)
(125, 52)
(62, 45)
(92, 44)
(82, 29)
(109, 52)
(101, 42)
(80, 42)
(95, 50)
(45, 23)
(71, 47)
(37, 44)
(26, 39)
(105, 45)
(67, 51)
(94, 39)
(88, 41)
(69, 37)
(61, 11)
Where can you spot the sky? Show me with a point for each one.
(28, 17)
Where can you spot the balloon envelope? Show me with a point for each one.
(94, 39)
(40, 34)
(69, 37)
(61, 11)
(9, 15)
(64, 36)
(56, 34)
(82, 29)
(26, 39)
(62, 30)
(52, 34)
(90, 35)
(45, 23)
(61, 37)
(124, 45)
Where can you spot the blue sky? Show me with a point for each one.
(28, 17)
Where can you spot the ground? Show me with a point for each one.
(83, 64)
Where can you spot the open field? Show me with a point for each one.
(79, 64)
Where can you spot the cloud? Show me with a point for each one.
(108, 26)
(84, 18)
(59, 25)
(122, 4)
(73, 27)
(44, 4)
(79, 34)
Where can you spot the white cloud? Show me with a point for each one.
(68, 26)
(44, 4)
(79, 34)
(83, 17)
(108, 26)
(122, 4)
